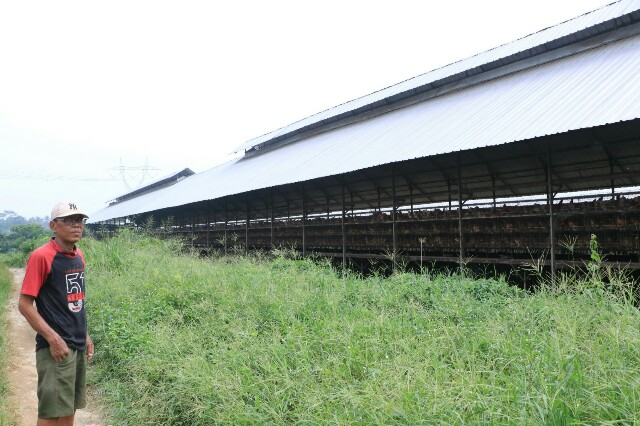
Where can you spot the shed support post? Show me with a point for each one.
(246, 231)
(460, 230)
(304, 220)
(193, 230)
(493, 188)
(411, 195)
(207, 218)
(327, 206)
(393, 219)
(613, 186)
(272, 217)
(351, 201)
(344, 237)
(552, 250)
(226, 225)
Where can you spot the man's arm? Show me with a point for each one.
(58, 346)
(90, 347)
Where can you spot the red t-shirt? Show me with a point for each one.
(56, 279)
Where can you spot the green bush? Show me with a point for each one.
(183, 340)
(18, 234)
(17, 245)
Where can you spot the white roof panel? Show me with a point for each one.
(592, 88)
(582, 22)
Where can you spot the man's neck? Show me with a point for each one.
(66, 247)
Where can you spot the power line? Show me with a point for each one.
(25, 175)
(131, 176)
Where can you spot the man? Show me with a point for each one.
(54, 279)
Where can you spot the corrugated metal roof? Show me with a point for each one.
(156, 184)
(593, 88)
(557, 32)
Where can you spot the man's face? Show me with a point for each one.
(68, 229)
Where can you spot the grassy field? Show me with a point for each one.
(7, 413)
(182, 340)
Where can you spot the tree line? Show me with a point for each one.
(18, 234)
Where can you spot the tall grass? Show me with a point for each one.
(182, 340)
(7, 410)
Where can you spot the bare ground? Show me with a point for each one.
(22, 366)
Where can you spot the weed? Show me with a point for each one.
(286, 252)
(569, 244)
(422, 241)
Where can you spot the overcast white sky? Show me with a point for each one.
(87, 87)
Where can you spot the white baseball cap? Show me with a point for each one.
(65, 208)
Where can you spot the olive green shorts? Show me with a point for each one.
(61, 386)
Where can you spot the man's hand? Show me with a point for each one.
(90, 348)
(58, 347)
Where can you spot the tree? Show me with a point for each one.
(9, 218)
(22, 237)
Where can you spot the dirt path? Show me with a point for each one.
(22, 368)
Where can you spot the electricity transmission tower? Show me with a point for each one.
(134, 176)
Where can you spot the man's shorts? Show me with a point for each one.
(61, 386)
